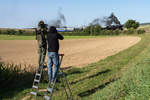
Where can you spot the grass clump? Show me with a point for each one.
(13, 79)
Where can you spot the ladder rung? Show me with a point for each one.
(36, 87)
(35, 80)
(46, 97)
(49, 90)
(38, 74)
(60, 73)
(33, 93)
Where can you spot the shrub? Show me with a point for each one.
(140, 31)
(20, 32)
(116, 32)
(129, 31)
(74, 33)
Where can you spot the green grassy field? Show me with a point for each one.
(144, 27)
(17, 37)
(124, 76)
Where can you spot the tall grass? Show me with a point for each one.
(13, 79)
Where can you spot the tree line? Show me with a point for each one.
(130, 27)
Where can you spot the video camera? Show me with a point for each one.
(44, 25)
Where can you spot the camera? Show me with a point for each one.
(44, 25)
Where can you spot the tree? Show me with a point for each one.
(87, 29)
(93, 29)
(132, 24)
(20, 32)
(97, 29)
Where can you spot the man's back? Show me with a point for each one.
(53, 43)
(41, 33)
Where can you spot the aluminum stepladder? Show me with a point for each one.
(36, 81)
(51, 86)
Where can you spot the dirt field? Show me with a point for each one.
(78, 52)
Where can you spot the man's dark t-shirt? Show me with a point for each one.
(53, 43)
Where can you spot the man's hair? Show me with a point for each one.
(41, 22)
(52, 29)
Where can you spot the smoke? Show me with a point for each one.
(106, 21)
(112, 19)
(96, 21)
(60, 21)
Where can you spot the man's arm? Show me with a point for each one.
(60, 36)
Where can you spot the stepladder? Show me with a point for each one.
(51, 85)
(36, 81)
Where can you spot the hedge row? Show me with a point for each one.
(80, 33)
(105, 32)
(17, 32)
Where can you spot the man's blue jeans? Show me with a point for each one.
(53, 59)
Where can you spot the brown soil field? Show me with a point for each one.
(78, 52)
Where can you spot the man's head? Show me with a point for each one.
(41, 23)
(52, 29)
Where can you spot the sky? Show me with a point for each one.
(27, 13)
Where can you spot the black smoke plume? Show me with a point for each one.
(112, 19)
(60, 21)
(106, 21)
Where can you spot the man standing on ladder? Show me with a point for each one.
(53, 47)
(41, 33)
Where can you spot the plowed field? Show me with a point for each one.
(78, 52)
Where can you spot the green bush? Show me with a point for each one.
(75, 33)
(11, 32)
(110, 32)
(20, 32)
(117, 32)
(129, 31)
(140, 31)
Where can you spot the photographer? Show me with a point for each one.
(53, 48)
(41, 33)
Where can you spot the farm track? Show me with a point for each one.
(78, 52)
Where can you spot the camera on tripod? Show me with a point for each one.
(44, 25)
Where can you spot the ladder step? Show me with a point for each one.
(49, 90)
(33, 93)
(60, 73)
(38, 74)
(36, 87)
(47, 97)
(35, 80)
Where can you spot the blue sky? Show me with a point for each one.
(26, 13)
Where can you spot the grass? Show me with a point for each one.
(124, 76)
(144, 27)
(17, 37)
(14, 80)
(134, 83)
